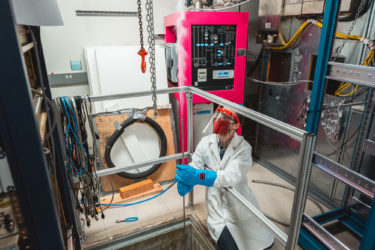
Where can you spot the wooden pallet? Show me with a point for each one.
(118, 200)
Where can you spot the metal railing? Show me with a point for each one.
(305, 155)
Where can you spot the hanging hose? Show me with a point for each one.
(118, 133)
(286, 187)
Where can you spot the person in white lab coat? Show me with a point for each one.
(222, 160)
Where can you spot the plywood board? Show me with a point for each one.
(105, 128)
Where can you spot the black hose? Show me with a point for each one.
(288, 188)
(118, 133)
(348, 18)
(353, 11)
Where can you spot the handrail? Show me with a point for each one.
(115, 170)
(265, 120)
(133, 94)
(280, 235)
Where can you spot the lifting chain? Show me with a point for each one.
(151, 50)
(339, 48)
(140, 23)
(142, 52)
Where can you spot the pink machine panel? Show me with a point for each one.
(211, 53)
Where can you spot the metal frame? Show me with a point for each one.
(324, 52)
(307, 145)
(115, 170)
(25, 155)
(368, 241)
(325, 237)
(307, 139)
(23, 146)
(314, 234)
(369, 147)
(338, 71)
(349, 177)
(143, 235)
(106, 13)
(359, 74)
(301, 188)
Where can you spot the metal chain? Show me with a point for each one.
(339, 49)
(140, 23)
(151, 50)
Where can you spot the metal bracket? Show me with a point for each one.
(359, 207)
(117, 125)
(326, 238)
(350, 177)
(369, 147)
(362, 75)
(139, 116)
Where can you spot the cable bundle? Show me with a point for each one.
(80, 168)
(298, 33)
(343, 85)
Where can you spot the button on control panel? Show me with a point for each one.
(202, 75)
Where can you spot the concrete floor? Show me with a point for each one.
(274, 201)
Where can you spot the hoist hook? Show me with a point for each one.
(143, 53)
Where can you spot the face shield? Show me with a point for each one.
(222, 119)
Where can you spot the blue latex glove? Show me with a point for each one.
(192, 176)
(183, 188)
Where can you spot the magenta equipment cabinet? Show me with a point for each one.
(210, 50)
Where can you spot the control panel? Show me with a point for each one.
(213, 56)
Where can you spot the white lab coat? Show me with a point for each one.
(223, 208)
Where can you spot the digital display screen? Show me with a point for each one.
(223, 73)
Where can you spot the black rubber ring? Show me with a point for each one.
(118, 133)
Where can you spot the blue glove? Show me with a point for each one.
(183, 188)
(192, 176)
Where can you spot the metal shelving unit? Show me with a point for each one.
(21, 141)
(313, 235)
